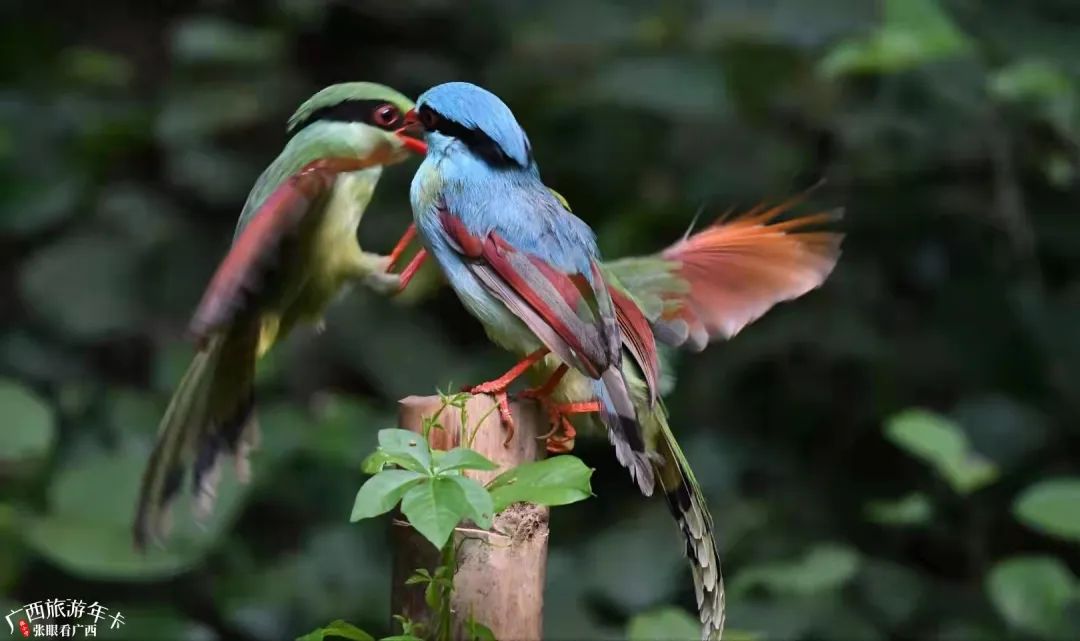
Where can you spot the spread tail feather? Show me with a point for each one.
(211, 414)
(712, 283)
(738, 268)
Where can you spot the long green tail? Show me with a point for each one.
(211, 413)
(686, 502)
(691, 512)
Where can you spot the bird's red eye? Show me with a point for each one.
(428, 118)
(386, 116)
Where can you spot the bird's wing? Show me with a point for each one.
(571, 313)
(638, 339)
(713, 283)
(257, 245)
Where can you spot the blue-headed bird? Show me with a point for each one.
(529, 270)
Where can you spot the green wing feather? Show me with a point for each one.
(653, 282)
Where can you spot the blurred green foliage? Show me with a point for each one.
(894, 456)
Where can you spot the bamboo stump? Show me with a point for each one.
(500, 574)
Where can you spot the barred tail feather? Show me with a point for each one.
(688, 507)
(210, 415)
(624, 431)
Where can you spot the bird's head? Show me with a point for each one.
(378, 108)
(460, 115)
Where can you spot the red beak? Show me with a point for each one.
(412, 126)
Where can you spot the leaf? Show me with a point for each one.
(477, 631)
(461, 458)
(894, 591)
(913, 33)
(913, 509)
(204, 40)
(669, 87)
(602, 568)
(1001, 428)
(1031, 594)
(37, 203)
(331, 435)
(406, 445)
(555, 481)
(96, 67)
(29, 425)
(435, 508)
(379, 459)
(87, 529)
(218, 174)
(1030, 80)
(479, 499)
(1052, 507)
(431, 596)
(825, 567)
(664, 623)
(375, 462)
(380, 493)
(1041, 87)
(339, 628)
(940, 442)
(83, 285)
(191, 114)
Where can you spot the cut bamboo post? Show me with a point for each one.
(500, 573)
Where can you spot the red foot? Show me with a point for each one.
(557, 414)
(498, 387)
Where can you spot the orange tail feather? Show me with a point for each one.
(739, 268)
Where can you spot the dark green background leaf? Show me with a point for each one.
(1050, 506)
(1030, 594)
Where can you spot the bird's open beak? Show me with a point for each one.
(408, 133)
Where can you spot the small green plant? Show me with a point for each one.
(436, 497)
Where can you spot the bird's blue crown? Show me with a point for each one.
(479, 119)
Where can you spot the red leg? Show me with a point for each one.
(402, 245)
(411, 269)
(500, 384)
(497, 388)
(549, 385)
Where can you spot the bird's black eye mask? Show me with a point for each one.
(377, 113)
(475, 139)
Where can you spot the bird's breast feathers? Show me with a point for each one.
(425, 190)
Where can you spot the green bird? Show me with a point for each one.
(295, 250)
